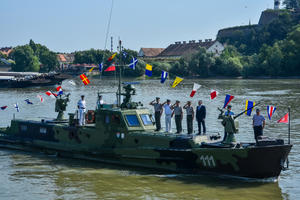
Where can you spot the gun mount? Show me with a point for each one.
(60, 106)
(127, 102)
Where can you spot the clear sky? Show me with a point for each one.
(69, 25)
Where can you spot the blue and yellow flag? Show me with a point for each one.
(148, 71)
(249, 105)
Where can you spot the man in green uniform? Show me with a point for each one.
(177, 111)
(189, 116)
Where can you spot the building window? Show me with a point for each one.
(43, 130)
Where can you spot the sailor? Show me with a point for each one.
(177, 111)
(189, 116)
(100, 102)
(227, 113)
(200, 116)
(158, 112)
(259, 123)
(168, 114)
(81, 107)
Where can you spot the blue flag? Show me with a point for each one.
(164, 76)
(249, 107)
(133, 63)
(101, 67)
(124, 54)
(28, 101)
(17, 107)
(228, 98)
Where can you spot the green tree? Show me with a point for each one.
(25, 60)
(201, 62)
(291, 4)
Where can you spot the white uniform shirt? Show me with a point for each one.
(82, 104)
(168, 110)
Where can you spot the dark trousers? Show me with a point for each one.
(178, 123)
(157, 121)
(258, 131)
(203, 125)
(189, 120)
(225, 135)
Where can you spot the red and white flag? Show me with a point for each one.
(213, 94)
(41, 98)
(51, 94)
(195, 88)
(285, 119)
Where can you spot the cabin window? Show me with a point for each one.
(132, 120)
(146, 120)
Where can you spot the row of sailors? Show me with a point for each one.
(177, 111)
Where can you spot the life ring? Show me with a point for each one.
(90, 117)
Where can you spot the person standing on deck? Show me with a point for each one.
(259, 123)
(227, 113)
(81, 107)
(168, 114)
(200, 116)
(177, 110)
(189, 116)
(158, 112)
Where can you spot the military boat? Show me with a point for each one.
(124, 134)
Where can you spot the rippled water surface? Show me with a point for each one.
(38, 176)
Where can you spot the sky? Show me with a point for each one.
(73, 25)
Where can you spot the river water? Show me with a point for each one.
(39, 176)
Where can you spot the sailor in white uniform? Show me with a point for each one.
(81, 107)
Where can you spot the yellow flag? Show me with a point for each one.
(177, 81)
(91, 69)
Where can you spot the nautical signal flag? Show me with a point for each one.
(133, 63)
(111, 68)
(249, 107)
(101, 67)
(284, 119)
(228, 98)
(28, 101)
(60, 91)
(84, 79)
(177, 81)
(3, 107)
(41, 98)
(112, 57)
(91, 69)
(213, 94)
(148, 70)
(164, 76)
(271, 111)
(195, 88)
(17, 107)
(51, 94)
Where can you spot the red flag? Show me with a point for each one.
(285, 119)
(41, 98)
(195, 88)
(111, 68)
(3, 107)
(58, 88)
(213, 94)
(50, 94)
(84, 79)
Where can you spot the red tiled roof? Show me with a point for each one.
(151, 52)
(183, 48)
(6, 50)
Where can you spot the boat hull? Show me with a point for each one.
(252, 162)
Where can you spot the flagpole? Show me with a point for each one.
(289, 125)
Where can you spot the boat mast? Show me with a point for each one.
(120, 72)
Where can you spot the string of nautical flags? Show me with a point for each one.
(164, 76)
